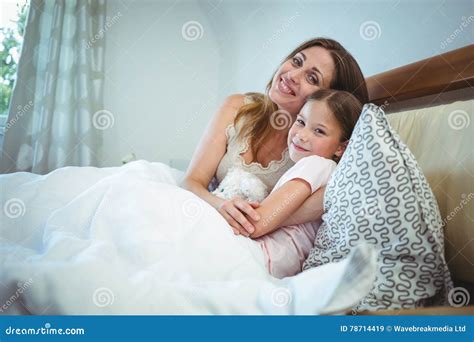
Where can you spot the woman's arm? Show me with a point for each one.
(311, 210)
(203, 166)
(279, 205)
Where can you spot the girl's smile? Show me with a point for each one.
(298, 147)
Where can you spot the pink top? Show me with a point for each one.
(288, 247)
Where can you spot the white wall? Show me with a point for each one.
(162, 89)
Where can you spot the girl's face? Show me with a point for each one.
(315, 132)
(301, 75)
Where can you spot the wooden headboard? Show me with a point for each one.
(435, 75)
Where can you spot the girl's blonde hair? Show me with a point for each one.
(348, 77)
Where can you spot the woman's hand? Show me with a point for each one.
(235, 210)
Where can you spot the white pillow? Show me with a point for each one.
(379, 195)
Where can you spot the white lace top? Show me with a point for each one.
(269, 175)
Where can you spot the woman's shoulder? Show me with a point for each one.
(238, 100)
(233, 105)
(225, 115)
(234, 101)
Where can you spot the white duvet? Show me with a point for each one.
(128, 240)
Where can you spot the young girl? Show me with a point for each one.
(316, 141)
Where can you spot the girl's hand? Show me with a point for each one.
(234, 212)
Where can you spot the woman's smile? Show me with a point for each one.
(285, 88)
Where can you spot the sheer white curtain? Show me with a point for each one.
(58, 89)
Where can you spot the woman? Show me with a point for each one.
(247, 131)
(131, 224)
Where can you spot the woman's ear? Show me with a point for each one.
(340, 149)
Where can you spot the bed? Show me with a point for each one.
(84, 266)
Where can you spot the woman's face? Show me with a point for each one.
(301, 75)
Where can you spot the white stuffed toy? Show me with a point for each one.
(241, 183)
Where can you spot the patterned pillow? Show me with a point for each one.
(379, 195)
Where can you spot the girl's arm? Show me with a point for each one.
(294, 196)
(311, 210)
(279, 205)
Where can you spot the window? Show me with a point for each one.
(12, 26)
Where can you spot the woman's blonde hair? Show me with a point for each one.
(348, 77)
